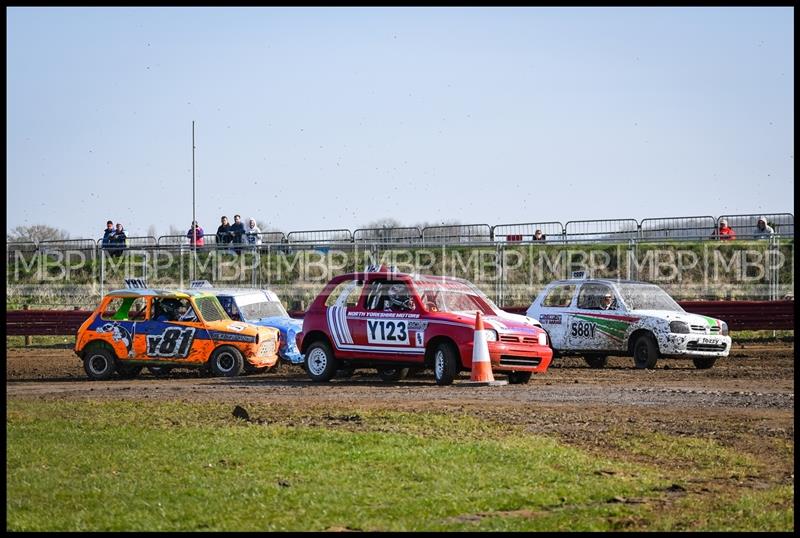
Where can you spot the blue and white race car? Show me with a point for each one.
(260, 307)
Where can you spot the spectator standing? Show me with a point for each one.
(763, 230)
(251, 233)
(118, 240)
(724, 232)
(107, 233)
(195, 238)
(539, 236)
(224, 234)
(237, 229)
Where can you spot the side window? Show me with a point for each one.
(559, 296)
(125, 309)
(591, 296)
(389, 296)
(229, 305)
(172, 309)
(112, 308)
(351, 287)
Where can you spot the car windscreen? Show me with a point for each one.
(263, 309)
(647, 297)
(453, 296)
(210, 309)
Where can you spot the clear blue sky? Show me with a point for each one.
(313, 118)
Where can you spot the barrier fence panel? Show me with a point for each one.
(457, 233)
(553, 231)
(272, 237)
(601, 230)
(678, 228)
(67, 244)
(410, 234)
(744, 226)
(21, 246)
(183, 240)
(319, 236)
(136, 241)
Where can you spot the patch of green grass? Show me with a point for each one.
(762, 336)
(192, 466)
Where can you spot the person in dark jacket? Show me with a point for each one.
(237, 229)
(224, 234)
(118, 241)
(107, 233)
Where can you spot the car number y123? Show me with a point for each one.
(387, 332)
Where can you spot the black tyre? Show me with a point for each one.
(99, 363)
(703, 363)
(159, 371)
(445, 364)
(128, 371)
(392, 374)
(645, 352)
(519, 378)
(226, 361)
(321, 365)
(596, 361)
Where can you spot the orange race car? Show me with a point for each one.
(139, 326)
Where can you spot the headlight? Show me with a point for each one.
(542, 338)
(678, 327)
(491, 336)
(724, 329)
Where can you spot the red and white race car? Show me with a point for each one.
(395, 321)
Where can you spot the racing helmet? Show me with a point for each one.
(399, 296)
(171, 308)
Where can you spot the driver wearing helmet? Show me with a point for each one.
(170, 310)
(398, 298)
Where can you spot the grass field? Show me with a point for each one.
(90, 465)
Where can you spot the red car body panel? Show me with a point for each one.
(359, 333)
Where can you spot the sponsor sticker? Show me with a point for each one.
(550, 319)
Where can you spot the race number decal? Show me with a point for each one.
(381, 331)
(582, 329)
(173, 342)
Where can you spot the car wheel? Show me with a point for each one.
(392, 374)
(321, 365)
(519, 378)
(159, 371)
(99, 363)
(645, 352)
(227, 361)
(128, 371)
(596, 361)
(703, 363)
(445, 364)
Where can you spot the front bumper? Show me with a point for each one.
(507, 357)
(696, 345)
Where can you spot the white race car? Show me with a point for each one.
(598, 317)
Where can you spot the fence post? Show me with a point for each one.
(28, 338)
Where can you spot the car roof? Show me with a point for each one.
(395, 275)
(151, 292)
(598, 281)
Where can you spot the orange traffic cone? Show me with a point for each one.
(481, 363)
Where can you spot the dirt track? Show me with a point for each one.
(745, 402)
(754, 376)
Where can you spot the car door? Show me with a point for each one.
(380, 322)
(554, 313)
(169, 339)
(592, 325)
